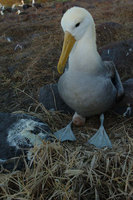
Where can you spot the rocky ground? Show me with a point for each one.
(30, 46)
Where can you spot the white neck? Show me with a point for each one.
(18, 12)
(13, 6)
(33, 1)
(22, 2)
(1, 12)
(84, 55)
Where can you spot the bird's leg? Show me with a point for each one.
(65, 134)
(100, 139)
(78, 120)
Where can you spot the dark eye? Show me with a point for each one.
(77, 24)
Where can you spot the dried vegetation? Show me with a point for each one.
(69, 170)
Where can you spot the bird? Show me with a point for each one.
(89, 85)
(0, 6)
(36, 5)
(24, 6)
(1, 12)
(1, 9)
(6, 9)
(14, 8)
(19, 12)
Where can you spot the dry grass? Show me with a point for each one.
(69, 170)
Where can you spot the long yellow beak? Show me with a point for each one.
(68, 43)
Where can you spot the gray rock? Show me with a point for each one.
(50, 98)
(108, 32)
(121, 53)
(125, 106)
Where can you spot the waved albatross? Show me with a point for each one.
(89, 85)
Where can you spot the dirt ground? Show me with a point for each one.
(30, 46)
(26, 68)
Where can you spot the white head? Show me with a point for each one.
(76, 21)
(22, 2)
(78, 25)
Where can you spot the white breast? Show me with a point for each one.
(87, 96)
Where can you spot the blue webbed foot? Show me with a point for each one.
(100, 139)
(65, 134)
